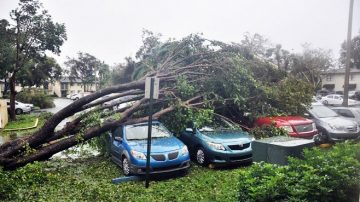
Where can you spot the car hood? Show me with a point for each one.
(226, 136)
(338, 121)
(158, 145)
(284, 120)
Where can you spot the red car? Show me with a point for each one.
(295, 125)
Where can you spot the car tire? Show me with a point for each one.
(126, 166)
(200, 157)
(325, 102)
(18, 111)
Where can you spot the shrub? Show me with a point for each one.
(265, 131)
(323, 175)
(38, 98)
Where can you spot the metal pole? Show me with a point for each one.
(348, 55)
(149, 133)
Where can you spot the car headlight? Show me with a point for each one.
(332, 126)
(287, 128)
(216, 146)
(184, 151)
(138, 155)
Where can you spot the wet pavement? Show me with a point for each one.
(60, 103)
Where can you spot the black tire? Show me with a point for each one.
(126, 166)
(18, 111)
(201, 157)
(325, 102)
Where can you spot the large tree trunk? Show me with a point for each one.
(12, 97)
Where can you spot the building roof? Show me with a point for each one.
(341, 71)
(69, 80)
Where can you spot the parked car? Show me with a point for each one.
(70, 95)
(351, 113)
(356, 95)
(296, 126)
(334, 99)
(219, 141)
(20, 107)
(77, 96)
(129, 147)
(331, 126)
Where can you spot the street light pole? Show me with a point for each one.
(348, 55)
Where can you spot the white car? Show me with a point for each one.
(335, 99)
(77, 96)
(20, 107)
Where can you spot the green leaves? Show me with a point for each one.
(323, 175)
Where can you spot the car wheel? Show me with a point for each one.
(126, 166)
(325, 102)
(200, 156)
(18, 111)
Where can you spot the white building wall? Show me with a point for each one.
(338, 80)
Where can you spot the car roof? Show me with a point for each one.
(350, 108)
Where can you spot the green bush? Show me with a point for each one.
(38, 98)
(323, 175)
(266, 131)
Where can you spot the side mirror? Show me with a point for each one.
(119, 139)
(307, 115)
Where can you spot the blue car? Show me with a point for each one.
(219, 142)
(129, 147)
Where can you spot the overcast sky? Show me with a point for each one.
(111, 29)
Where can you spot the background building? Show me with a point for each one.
(333, 80)
(68, 85)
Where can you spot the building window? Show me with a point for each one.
(329, 87)
(328, 77)
(64, 86)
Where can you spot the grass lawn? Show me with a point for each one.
(22, 121)
(25, 120)
(90, 180)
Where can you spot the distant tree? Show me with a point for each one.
(355, 53)
(122, 73)
(279, 56)
(309, 65)
(7, 51)
(32, 33)
(254, 44)
(39, 71)
(85, 68)
(104, 75)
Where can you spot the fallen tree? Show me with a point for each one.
(195, 75)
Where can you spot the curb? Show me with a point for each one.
(27, 128)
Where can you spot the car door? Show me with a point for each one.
(329, 99)
(188, 137)
(117, 144)
(337, 100)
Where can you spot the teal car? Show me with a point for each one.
(219, 141)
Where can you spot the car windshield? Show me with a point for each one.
(322, 112)
(140, 132)
(218, 124)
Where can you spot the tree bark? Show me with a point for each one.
(12, 97)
